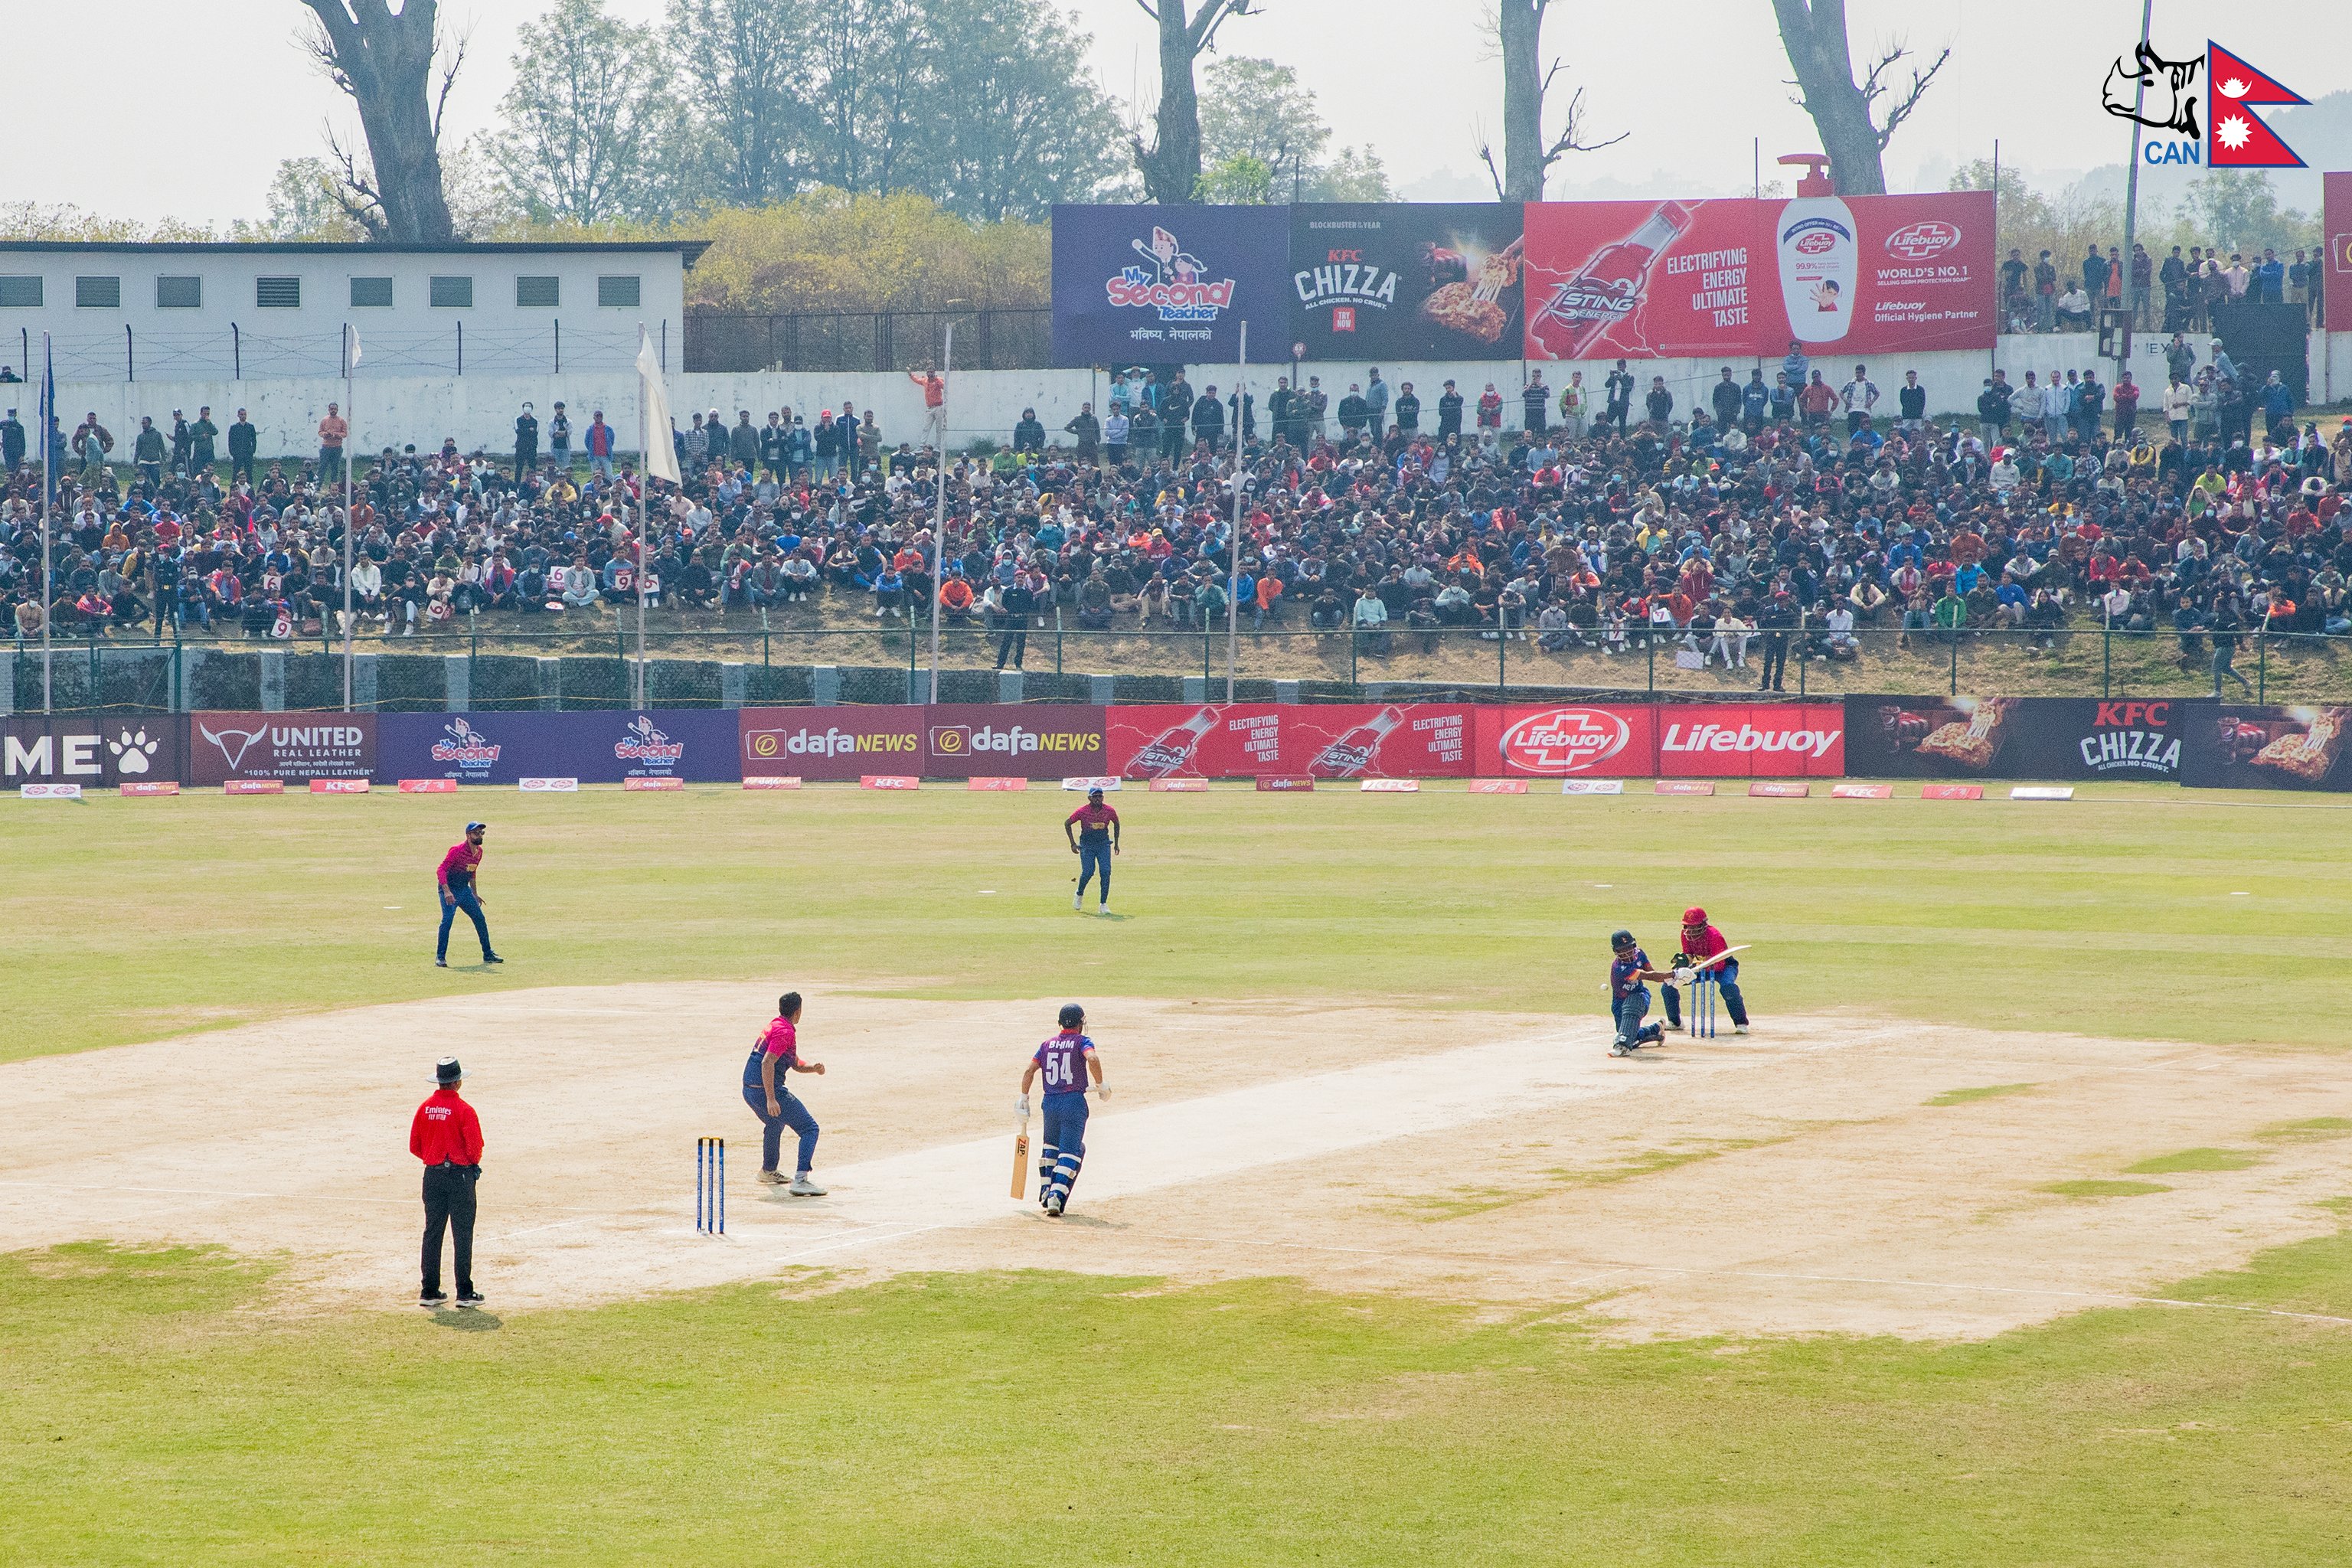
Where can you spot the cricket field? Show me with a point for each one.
(2016, 1231)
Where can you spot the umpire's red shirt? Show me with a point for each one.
(446, 1129)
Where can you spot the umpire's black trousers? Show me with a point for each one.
(449, 1199)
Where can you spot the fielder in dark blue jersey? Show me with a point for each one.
(1629, 998)
(1066, 1062)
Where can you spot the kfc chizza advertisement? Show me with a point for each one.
(1436, 280)
(1243, 739)
(1763, 740)
(1741, 279)
(2023, 737)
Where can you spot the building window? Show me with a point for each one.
(616, 292)
(371, 292)
(453, 293)
(277, 293)
(179, 293)
(537, 292)
(20, 293)
(98, 293)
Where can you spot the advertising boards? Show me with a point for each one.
(1389, 280)
(1156, 285)
(1742, 278)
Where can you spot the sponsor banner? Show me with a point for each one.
(1337, 741)
(772, 780)
(150, 788)
(1390, 786)
(2336, 225)
(1284, 784)
(828, 744)
(1681, 787)
(92, 751)
(2019, 737)
(692, 743)
(1169, 285)
(1673, 741)
(224, 747)
(423, 787)
(1034, 741)
(1179, 786)
(2043, 792)
(1107, 783)
(1739, 278)
(1951, 792)
(1592, 786)
(639, 785)
(1776, 789)
(548, 786)
(339, 786)
(253, 787)
(49, 791)
(1498, 786)
(1861, 792)
(2240, 747)
(979, 781)
(889, 781)
(1426, 280)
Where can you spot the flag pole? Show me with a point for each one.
(48, 484)
(350, 444)
(1234, 564)
(940, 514)
(2131, 210)
(644, 501)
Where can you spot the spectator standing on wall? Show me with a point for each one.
(526, 446)
(559, 440)
(1376, 404)
(1859, 398)
(203, 435)
(1088, 430)
(1029, 432)
(1533, 397)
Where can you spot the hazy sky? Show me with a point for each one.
(149, 108)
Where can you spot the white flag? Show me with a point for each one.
(352, 361)
(661, 457)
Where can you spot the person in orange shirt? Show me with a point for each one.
(955, 598)
(333, 431)
(447, 1136)
(1269, 590)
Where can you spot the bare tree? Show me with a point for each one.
(1519, 27)
(398, 72)
(1170, 166)
(1813, 31)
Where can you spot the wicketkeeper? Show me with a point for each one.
(1702, 942)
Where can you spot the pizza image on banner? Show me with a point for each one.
(1435, 281)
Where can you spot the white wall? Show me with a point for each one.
(479, 410)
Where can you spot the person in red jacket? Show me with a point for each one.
(447, 1136)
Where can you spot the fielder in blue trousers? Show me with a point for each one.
(460, 870)
(1629, 998)
(775, 1053)
(1093, 833)
(1068, 1061)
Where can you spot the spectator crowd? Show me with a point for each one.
(2053, 294)
(1802, 511)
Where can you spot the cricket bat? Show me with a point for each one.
(1021, 1161)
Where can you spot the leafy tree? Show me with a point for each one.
(1048, 133)
(1170, 166)
(1355, 174)
(829, 250)
(398, 70)
(306, 201)
(2238, 209)
(744, 65)
(1240, 181)
(1256, 109)
(591, 128)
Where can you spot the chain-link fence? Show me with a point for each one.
(585, 660)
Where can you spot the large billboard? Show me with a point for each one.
(1168, 285)
(830, 742)
(2336, 228)
(694, 744)
(1031, 741)
(1741, 279)
(1336, 741)
(288, 746)
(2021, 737)
(1640, 740)
(1436, 280)
(138, 748)
(2238, 746)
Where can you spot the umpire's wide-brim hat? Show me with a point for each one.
(446, 1071)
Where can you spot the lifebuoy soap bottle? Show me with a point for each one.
(1819, 261)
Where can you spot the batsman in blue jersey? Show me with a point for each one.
(1068, 1061)
(1629, 998)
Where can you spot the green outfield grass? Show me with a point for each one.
(158, 1409)
(2111, 914)
(1039, 1418)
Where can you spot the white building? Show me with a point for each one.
(180, 311)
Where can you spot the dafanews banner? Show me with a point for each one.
(830, 743)
(1169, 285)
(1029, 741)
(1388, 281)
(1743, 279)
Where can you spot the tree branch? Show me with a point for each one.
(1150, 9)
(1874, 87)
(1571, 132)
(449, 74)
(1487, 156)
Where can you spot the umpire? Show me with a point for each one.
(447, 1136)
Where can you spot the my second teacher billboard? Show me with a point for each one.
(1167, 285)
